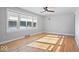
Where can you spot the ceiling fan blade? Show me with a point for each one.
(46, 10)
(50, 11)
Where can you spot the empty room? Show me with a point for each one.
(39, 29)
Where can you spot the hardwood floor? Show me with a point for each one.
(69, 45)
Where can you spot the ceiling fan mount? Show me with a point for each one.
(47, 10)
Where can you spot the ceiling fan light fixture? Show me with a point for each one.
(46, 10)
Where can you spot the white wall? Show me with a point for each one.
(60, 24)
(2, 24)
(5, 36)
(77, 26)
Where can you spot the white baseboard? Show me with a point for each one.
(61, 33)
(11, 40)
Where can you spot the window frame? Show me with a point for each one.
(29, 20)
(13, 14)
(20, 20)
(35, 20)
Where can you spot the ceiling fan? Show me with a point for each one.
(47, 10)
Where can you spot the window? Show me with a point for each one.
(12, 22)
(29, 22)
(34, 22)
(18, 21)
(23, 22)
